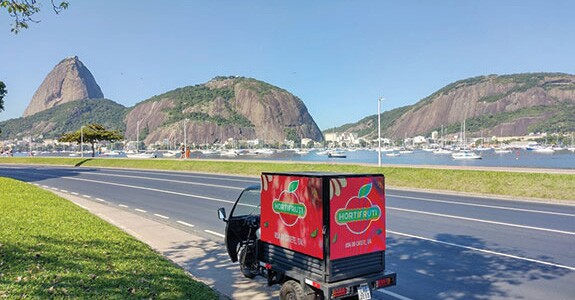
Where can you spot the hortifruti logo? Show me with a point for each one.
(288, 205)
(359, 212)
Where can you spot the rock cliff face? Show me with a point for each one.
(487, 96)
(69, 80)
(223, 108)
(508, 105)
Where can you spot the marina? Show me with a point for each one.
(513, 158)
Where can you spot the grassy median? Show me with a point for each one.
(51, 248)
(514, 184)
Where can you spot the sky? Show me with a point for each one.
(338, 57)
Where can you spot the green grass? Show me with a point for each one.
(51, 248)
(514, 184)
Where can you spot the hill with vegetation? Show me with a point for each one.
(67, 117)
(492, 105)
(223, 108)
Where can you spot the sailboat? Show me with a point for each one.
(465, 153)
(442, 149)
(501, 149)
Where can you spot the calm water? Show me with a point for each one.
(518, 158)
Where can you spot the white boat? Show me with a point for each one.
(393, 154)
(442, 151)
(337, 154)
(405, 151)
(465, 154)
(142, 155)
(543, 149)
(229, 153)
(170, 153)
(502, 151)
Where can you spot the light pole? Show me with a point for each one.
(185, 140)
(379, 131)
(82, 141)
(138, 136)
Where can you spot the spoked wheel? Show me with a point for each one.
(247, 262)
(291, 290)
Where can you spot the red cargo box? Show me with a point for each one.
(324, 215)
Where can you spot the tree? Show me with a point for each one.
(23, 11)
(2, 94)
(92, 134)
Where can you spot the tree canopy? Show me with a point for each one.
(23, 11)
(2, 94)
(91, 134)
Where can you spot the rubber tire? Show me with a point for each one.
(292, 290)
(246, 271)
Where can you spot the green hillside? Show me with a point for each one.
(52, 123)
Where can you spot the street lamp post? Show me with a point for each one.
(379, 131)
(185, 140)
(82, 141)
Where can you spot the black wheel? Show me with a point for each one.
(246, 263)
(291, 290)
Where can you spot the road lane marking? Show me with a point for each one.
(483, 250)
(122, 205)
(169, 180)
(86, 196)
(185, 224)
(161, 216)
(392, 294)
(482, 221)
(75, 194)
(55, 189)
(154, 190)
(483, 205)
(64, 191)
(141, 210)
(101, 200)
(215, 233)
(206, 176)
(45, 186)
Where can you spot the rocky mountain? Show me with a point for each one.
(492, 105)
(69, 80)
(54, 122)
(223, 108)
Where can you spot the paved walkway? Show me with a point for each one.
(204, 259)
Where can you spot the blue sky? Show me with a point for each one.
(339, 57)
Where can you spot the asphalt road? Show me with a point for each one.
(442, 246)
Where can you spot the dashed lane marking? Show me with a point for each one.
(161, 216)
(122, 205)
(215, 233)
(185, 224)
(141, 210)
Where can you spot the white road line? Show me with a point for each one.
(101, 200)
(55, 189)
(122, 205)
(151, 189)
(87, 196)
(484, 251)
(215, 233)
(36, 184)
(206, 176)
(392, 294)
(170, 180)
(185, 224)
(45, 186)
(483, 205)
(161, 216)
(141, 210)
(63, 191)
(482, 221)
(75, 194)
